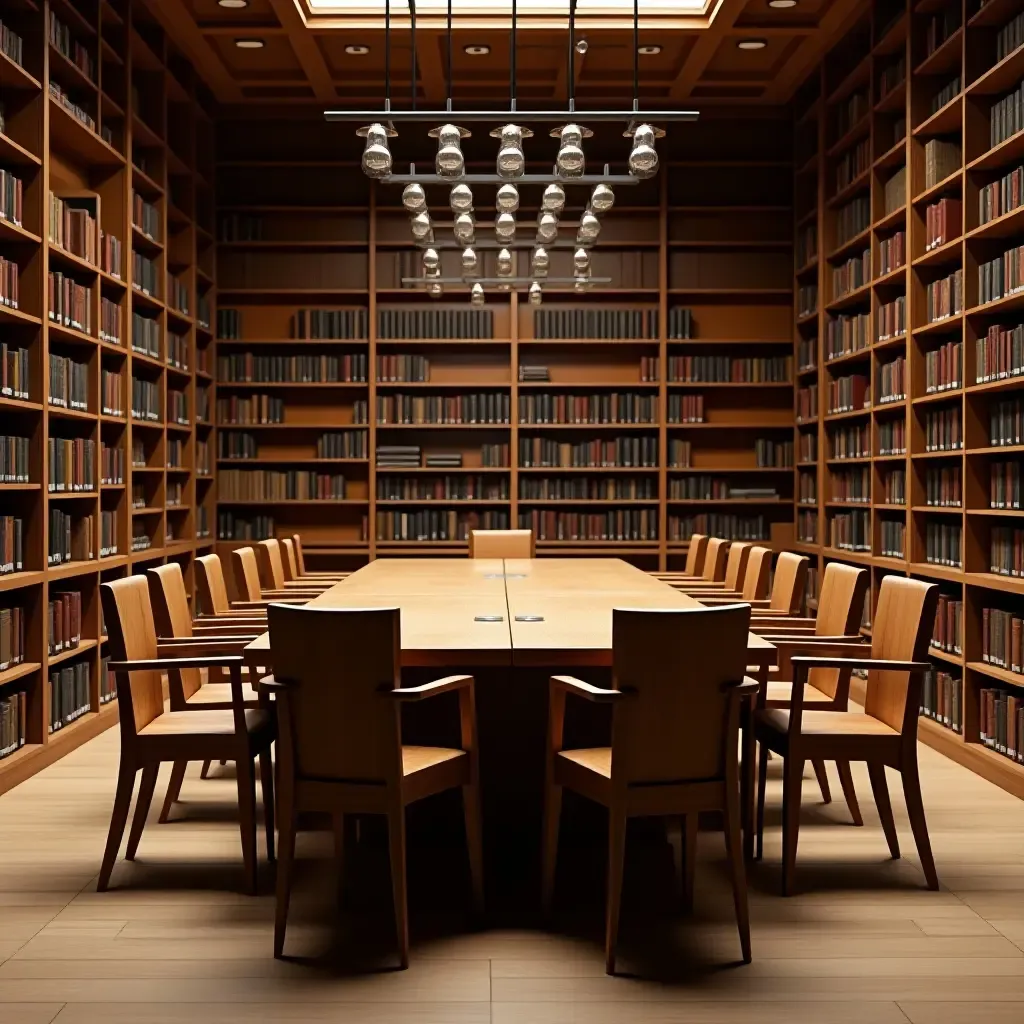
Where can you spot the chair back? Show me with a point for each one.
(695, 554)
(901, 631)
(840, 605)
(212, 587)
(755, 579)
(247, 574)
(672, 728)
(128, 613)
(172, 616)
(335, 663)
(270, 565)
(788, 585)
(736, 564)
(300, 561)
(501, 544)
(714, 560)
(291, 566)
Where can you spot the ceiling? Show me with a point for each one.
(303, 59)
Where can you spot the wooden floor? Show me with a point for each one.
(177, 944)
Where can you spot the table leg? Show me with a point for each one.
(748, 772)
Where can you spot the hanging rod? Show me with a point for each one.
(505, 116)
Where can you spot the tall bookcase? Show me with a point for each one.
(902, 476)
(302, 229)
(100, 109)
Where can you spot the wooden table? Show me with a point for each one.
(521, 615)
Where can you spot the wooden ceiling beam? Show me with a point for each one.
(705, 47)
(307, 49)
(252, 28)
(431, 67)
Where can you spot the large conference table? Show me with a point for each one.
(508, 621)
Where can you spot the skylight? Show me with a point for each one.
(660, 8)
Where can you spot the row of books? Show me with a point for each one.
(70, 538)
(68, 383)
(807, 527)
(850, 531)
(999, 354)
(769, 453)
(729, 369)
(944, 94)
(174, 494)
(849, 393)
(64, 621)
(69, 694)
(945, 297)
(948, 631)
(892, 252)
(852, 219)
(145, 400)
(852, 441)
(613, 525)
(942, 157)
(178, 296)
(14, 460)
(710, 488)
(277, 485)
(203, 310)
(177, 351)
(943, 430)
(12, 547)
(177, 408)
(602, 407)
(1006, 551)
(145, 335)
(341, 324)
(433, 323)
(849, 112)
(892, 534)
(112, 465)
(944, 367)
(61, 38)
(806, 244)
(72, 226)
(108, 684)
(941, 699)
(141, 540)
(480, 407)
(806, 300)
(894, 487)
(851, 275)
(847, 333)
(1002, 276)
(852, 485)
(1002, 639)
(245, 367)
(853, 163)
(806, 406)
(1001, 722)
(203, 467)
(438, 524)
(731, 526)
(111, 253)
(892, 318)
(943, 544)
(12, 45)
(1010, 37)
(590, 322)
(1007, 116)
(12, 712)
(684, 409)
(464, 487)
(894, 192)
(942, 487)
(807, 488)
(680, 453)
(1004, 485)
(587, 488)
(943, 221)
(628, 451)
(110, 321)
(12, 637)
(146, 217)
(145, 275)
(892, 380)
(176, 450)
(9, 293)
(1006, 422)
(12, 197)
(231, 526)
(72, 464)
(806, 354)
(15, 372)
(78, 112)
(70, 303)
(1001, 196)
(111, 400)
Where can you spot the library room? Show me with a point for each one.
(510, 511)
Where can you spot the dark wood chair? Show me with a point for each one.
(502, 544)
(340, 749)
(150, 735)
(695, 553)
(678, 682)
(883, 735)
(292, 574)
(247, 582)
(787, 587)
(270, 565)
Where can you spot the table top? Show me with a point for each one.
(554, 611)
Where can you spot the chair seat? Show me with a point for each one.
(418, 759)
(204, 723)
(594, 759)
(826, 723)
(220, 693)
(782, 690)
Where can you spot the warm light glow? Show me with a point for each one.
(502, 7)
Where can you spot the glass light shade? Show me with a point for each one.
(504, 263)
(464, 229)
(432, 271)
(435, 289)
(553, 199)
(431, 260)
(449, 162)
(469, 260)
(643, 160)
(581, 285)
(376, 155)
(505, 227)
(460, 199)
(540, 262)
(507, 199)
(511, 161)
(414, 199)
(547, 227)
(504, 286)
(536, 295)
(421, 226)
(589, 229)
(570, 160)
(602, 199)
(581, 260)
(476, 294)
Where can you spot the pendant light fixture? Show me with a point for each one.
(464, 229)
(553, 199)
(414, 199)
(540, 262)
(469, 260)
(643, 159)
(421, 226)
(504, 263)
(507, 199)
(547, 228)
(589, 229)
(460, 199)
(505, 228)
(581, 260)
(449, 162)
(602, 199)
(536, 294)
(476, 294)
(431, 260)
(376, 161)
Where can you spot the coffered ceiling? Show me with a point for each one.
(332, 52)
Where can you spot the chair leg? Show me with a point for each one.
(205, 773)
(734, 850)
(762, 783)
(876, 772)
(552, 819)
(396, 845)
(118, 820)
(849, 791)
(616, 863)
(821, 775)
(173, 789)
(915, 809)
(142, 805)
(689, 825)
(792, 786)
(339, 851)
(474, 844)
(285, 862)
(247, 818)
(267, 787)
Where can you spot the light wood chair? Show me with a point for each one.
(301, 572)
(214, 604)
(340, 749)
(502, 544)
(150, 735)
(678, 682)
(291, 567)
(883, 735)
(695, 553)
(270, 567)
(787, 586)
(247, 582)
(735, 572)
(754, 589)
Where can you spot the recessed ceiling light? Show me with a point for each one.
(752, 44)
(234, 4)
(357, 50)
(477, 51)
(249, 44)
(781, 4)
(648, 51)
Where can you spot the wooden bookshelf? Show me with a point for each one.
(956, 52)
(301, 230)
(143, 124)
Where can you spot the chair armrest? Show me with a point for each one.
(276, 594)
(185, 647)
(595, 694)
(438, 686)
(726, 598)
(230, 629)
(881, 665)
(789, 639)
(746, 687)
(162, 664)
(268, 684)
(243, 605)
(792, 621)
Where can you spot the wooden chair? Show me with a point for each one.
(300, 563)
(735, 570)
(787, 587)
(340, 749)
(678, 681)
(754, 590)
(151, 735)
(695, 554)
(291, 567)
(212, 590)
(502, 544)
(883, 735)
(247, 582)
(270, 567)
